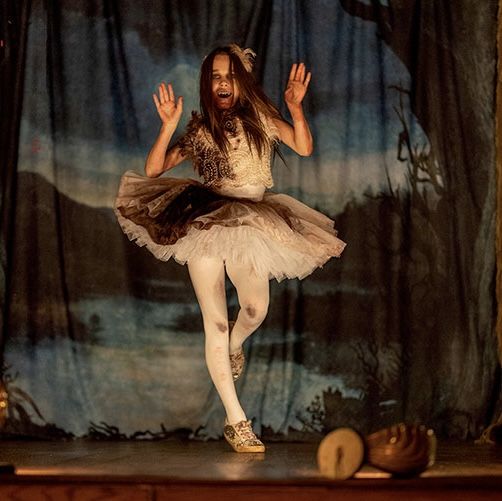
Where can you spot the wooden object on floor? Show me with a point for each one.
(340, 454)
(402, 449)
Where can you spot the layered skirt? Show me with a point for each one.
(278, 236)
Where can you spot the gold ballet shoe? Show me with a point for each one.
(237, 359)
(242, 438)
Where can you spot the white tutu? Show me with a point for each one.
(278, 236)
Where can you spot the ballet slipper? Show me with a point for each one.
(242, 438)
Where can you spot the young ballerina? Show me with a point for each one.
(228, 223)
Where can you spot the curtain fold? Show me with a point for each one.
(14, 31)
(499, 179)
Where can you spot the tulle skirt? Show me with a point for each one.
(278, 236)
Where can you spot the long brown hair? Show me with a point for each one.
(252, 101)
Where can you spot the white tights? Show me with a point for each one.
(208, 279)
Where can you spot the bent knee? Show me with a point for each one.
(255, 312)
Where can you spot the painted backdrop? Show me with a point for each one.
(102, 340)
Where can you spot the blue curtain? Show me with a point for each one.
(101, 340)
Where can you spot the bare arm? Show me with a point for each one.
(298, 136)
(160, 158)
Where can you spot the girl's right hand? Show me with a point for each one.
(168, 108)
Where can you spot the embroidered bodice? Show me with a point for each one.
(241, 168)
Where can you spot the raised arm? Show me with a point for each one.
(298, 136)
(160, 158)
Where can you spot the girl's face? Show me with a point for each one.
(224, 88)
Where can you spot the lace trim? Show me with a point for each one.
(243, 165)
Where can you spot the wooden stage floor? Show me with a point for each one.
(186, 470)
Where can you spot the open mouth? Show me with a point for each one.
(223, 94)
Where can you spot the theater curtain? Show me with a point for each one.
(100, 340)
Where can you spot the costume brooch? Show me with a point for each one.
(229, 122)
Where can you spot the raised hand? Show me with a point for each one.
(297, 86)
(168, 108)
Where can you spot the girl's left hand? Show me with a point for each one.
(297, 85)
